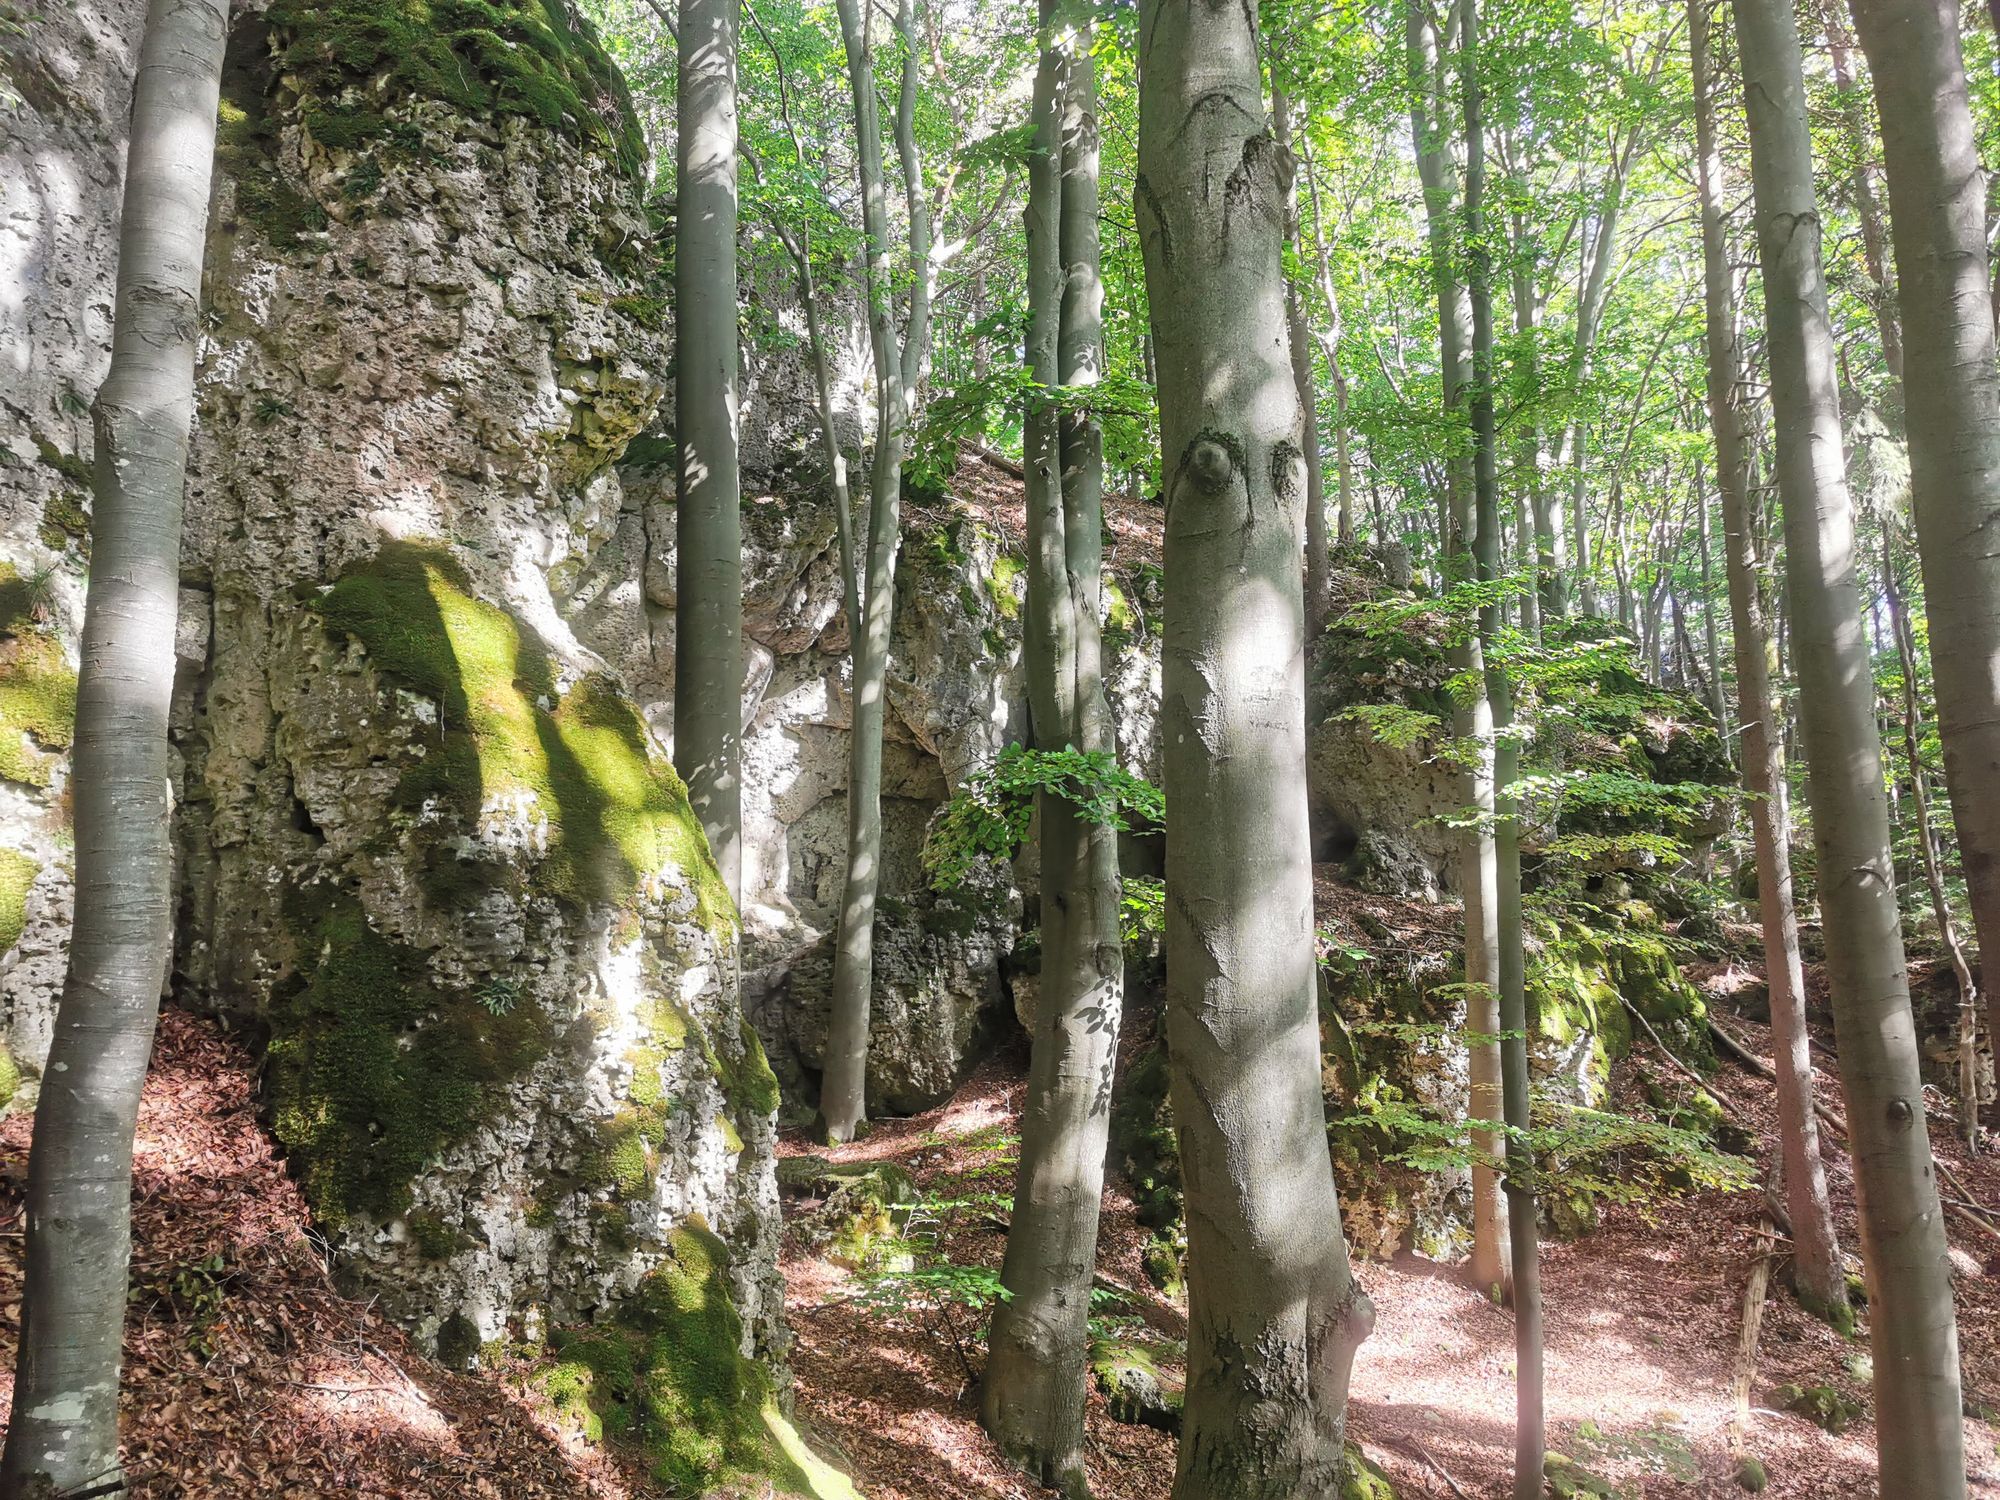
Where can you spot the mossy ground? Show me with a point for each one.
(617, 814)
(372, 1069)
(37, 687)
(667, 1380)
(486, 57)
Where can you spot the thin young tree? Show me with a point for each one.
(62, 1437)
(899, 356)
(1033, 1390)
(1478, 852)
(1274, 1311)
(1816, 1268)
(1318, 551)
(1510, 975)
(708, 553)
(1927, 840)
(1920, 1432)
(1937, 213)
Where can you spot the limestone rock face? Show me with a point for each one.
(430, 853)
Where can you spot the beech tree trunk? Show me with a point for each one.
(1927, 848)
(1274, 1311)
(63, 1433)
(1318, 552)
(1472, 719)
(1861, 180)
(1952, 385)
(1816, 1268)
(708, 553)
(1920, 1434)
(898, 368)
(1033, 1392)
(1511, 1010)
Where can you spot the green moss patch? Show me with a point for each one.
(373, 1070)
(485, 57)
(37, 687)
(617, 813)
(667, 1380)
(17, 875)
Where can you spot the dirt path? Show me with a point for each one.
(1643, 1322)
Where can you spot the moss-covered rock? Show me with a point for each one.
(575, 760)
(1823, 1405)
(1569, 1479)
(373, 1068)
(37, 687)
(1362, 1480)
(17, 876)
(1135, 1385)
(861, 1212)
(354, 60)
(667, 1379)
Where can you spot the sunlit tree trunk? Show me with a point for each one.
(708, 554)
(1274, 1311)
(1032, 1397)
(63, 1433)
(1478, 866)
(1816, 1268)
(898, 368)
(1854, 113)
(1920, 1436)
(1510, 973)
(1317, 549)
(1936, 205)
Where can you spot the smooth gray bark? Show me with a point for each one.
(1854, 113)
(1816, 1267)
(1920, 1432)
(1033, 1391)
(1511, 1010)
(899, 363)
(1952, 385)
(63, 1432)
(1472, 719)
(1318, 552)
(1274, 1311)
(1927, 846)
(708, 553)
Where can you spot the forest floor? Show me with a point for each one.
(1644, 1317)
(253, 1375)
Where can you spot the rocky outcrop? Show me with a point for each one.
(432, 858)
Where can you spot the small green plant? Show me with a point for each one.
(191, 1295)
(988, 817)
(498, 995)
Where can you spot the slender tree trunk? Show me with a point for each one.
(1718, 702)
(1317, 550)
(1478, 867)
(1861, 179)
(1920, 799)
(1512, 1012)
(1953, 408)
(708, 555)
(63, 1434)
(1329, 345)
(1032, 1398)
(1920, 1433)
(899, 367)
(1550, 546)
(1274, 1311)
